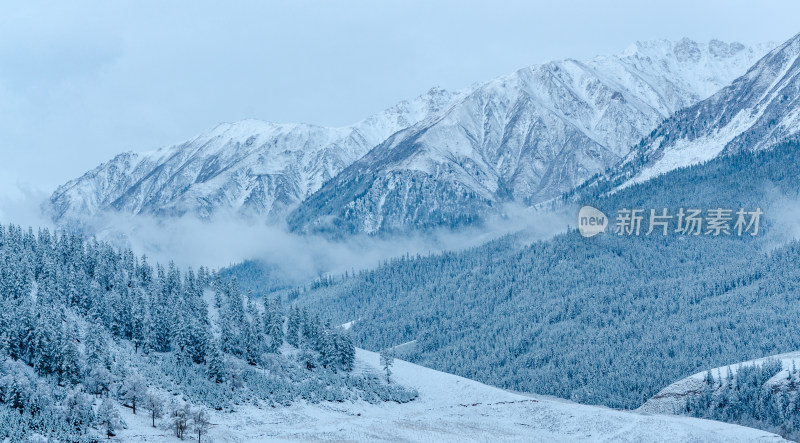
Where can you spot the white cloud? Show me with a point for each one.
(228, 240)
(21, 205)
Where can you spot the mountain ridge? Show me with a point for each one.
(450, 157)
(525, 137)
(757, 111)
(246, 166)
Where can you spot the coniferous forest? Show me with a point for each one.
(588, 230)
(747, 397)
(609, 321)
(86, 328)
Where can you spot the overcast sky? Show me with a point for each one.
(82, 81)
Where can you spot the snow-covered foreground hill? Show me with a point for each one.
(674, 396)
(450, 408)
(761, 393)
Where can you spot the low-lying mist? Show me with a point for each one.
(228, 239)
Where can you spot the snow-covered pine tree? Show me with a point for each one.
(108, 418)
(345, 350)
(216, 364)
(273, 323)
(294, 327)
(386, 361)
(329, 356)
(71, 368)
(255, 344)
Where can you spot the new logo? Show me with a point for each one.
(591, 221)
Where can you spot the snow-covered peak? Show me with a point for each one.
(249, 166)
(687, 50)
(756, 111)
(527, 136)
(703, 67)
(407, 113)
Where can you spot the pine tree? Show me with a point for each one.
(182, 332)
(254, 335)
(329, 357)
(71, 367)
(139, 320)
(346, 351)
(308, 358)
(45, 344)
(232, 321)
(216, 364)
(294, 327)
(312, 330)
(95, 346)
(108, 418)
(273, 323)
(202, 278)
(386, 361)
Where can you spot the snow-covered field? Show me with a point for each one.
(449, 408)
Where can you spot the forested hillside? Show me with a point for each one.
(605, 320)
(86, 328)
(761, 395)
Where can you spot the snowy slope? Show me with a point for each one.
(526, 137)
(451, 408)
(248, 167)
(674, 396)
(755, 112)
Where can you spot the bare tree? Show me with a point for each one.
(134, 389)
(180, 415)
(155, 405)
(201, 423)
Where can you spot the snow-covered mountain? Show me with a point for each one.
(449, 408)
(247, 167)
(756, 111)
(525, 137)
